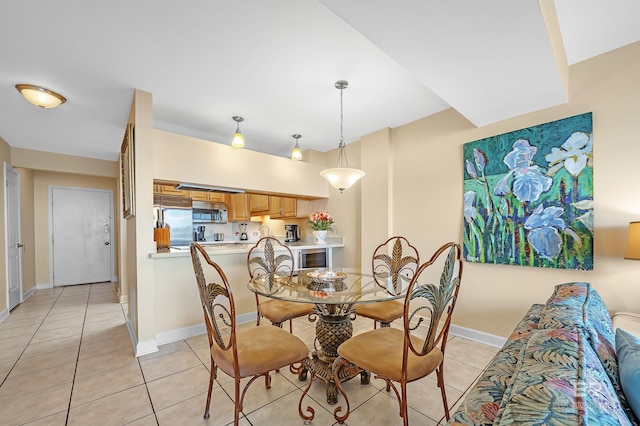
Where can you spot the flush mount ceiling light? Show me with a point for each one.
(296, 154)
(238, 137)
(342, 177)
(39, 96)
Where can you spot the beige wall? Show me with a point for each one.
(427, 193)
(181, 158)
(50, 161)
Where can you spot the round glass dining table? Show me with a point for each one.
(334, 292)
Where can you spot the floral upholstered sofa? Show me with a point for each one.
(559, 367)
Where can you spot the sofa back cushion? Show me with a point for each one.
(483, 402)
(559, 380)
(579, 304)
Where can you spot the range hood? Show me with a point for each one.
(207, 188)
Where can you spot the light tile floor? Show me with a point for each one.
(66, 358)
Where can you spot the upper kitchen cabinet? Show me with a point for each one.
(170, 190)
(239, 208)
(215, 197)
(258, 204)
(287, 207)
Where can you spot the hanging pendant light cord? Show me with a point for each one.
(342, 155)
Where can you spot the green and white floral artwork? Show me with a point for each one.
(528, 196)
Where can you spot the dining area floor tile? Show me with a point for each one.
(66, 358)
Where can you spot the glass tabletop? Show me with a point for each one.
(326, 286)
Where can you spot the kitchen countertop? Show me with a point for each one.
(235, 247)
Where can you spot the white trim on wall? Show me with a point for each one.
(27, 294)
(478, 336)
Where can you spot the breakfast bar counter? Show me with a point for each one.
(177, 306)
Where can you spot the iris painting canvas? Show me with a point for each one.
(528, 196)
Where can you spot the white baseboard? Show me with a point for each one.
(478, 336)
(180, 333)
(44, 286)
(4, 314)
(174, 335)
(28, 293)
(147, 347)
(248, 317)
(141, 348)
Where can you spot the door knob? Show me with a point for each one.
(19, 245)
(106, 243)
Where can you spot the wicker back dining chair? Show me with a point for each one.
(395, 261)
(251, 352)
(404, 355)
(272, 258)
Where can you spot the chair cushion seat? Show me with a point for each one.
(278, 311)
(381, 311)
(261, 349)
(380, 352)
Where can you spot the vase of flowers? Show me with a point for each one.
(320, 223)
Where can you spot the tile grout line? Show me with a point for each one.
(75, 370)
(29, 342)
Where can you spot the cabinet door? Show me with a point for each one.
(218, 197)
(167, 189)
(258, 203)
(239, 207)
(199, 195)
(275, 207)
(288, 207)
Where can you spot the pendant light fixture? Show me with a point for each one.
(39, 96)
(238, 137)
(342, 177)
(296, 154)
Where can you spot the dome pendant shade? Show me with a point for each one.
(39, 96)
(238, 137)
(342, 177)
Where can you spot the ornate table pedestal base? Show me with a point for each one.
(334, 327)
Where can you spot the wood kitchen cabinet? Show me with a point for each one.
(239, 208)
(287, 207)
(218, 197)
(199, 195)
(170, 190)
(215, 197)
(258, 204)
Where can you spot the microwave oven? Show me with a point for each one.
(207, 212)
(312, 258)
(209, 216)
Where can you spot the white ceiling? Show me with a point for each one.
(275, 63)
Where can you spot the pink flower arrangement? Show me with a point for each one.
(320, 221)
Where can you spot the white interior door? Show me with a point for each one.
(81, 235)
(14, 245)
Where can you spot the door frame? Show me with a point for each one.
(8, 167)
(50, 225)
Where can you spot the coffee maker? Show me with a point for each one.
(198, 233)
(291, 234)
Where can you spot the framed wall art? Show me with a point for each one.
(528, 196)
(127, 164)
